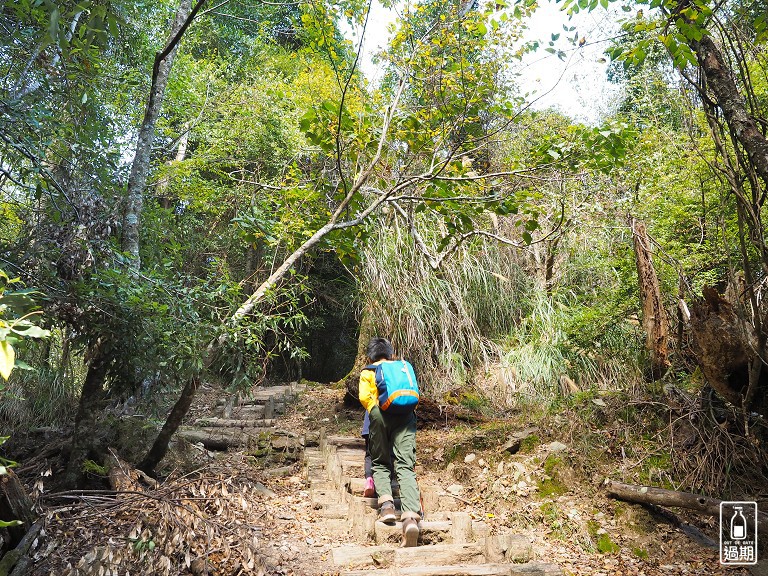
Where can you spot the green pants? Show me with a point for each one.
(395, 434)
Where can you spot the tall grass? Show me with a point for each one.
(447, 322)
(484, 319)
(543, 350)
(48, 393)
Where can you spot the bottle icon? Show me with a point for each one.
(738, 525)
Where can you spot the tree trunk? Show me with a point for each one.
(160, 447)
(741, 124)
(727, 348)
(137, 181)
(655, 321)
(85, 421)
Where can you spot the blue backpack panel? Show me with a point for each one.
(397, 386)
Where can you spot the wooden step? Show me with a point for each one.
(431, 532)
(528, 569)
(339, 511)
(512, 548)
(385, 556)
(346, 442)
(215, 422)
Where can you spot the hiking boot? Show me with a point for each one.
(410, 532)
(387, 513)
(370, 489)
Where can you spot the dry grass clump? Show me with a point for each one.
(446, 322)
(672, 438)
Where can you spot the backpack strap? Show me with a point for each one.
(371, 367)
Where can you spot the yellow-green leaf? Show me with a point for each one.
(7, 358)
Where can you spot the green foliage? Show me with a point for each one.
(16, 309)
(47, 395)
(5, 463)
(91, 467)
(529, 443)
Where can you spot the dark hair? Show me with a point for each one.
(379, 349)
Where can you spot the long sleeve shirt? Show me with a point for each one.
(367, 390)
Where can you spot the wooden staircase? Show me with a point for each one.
(451, 543)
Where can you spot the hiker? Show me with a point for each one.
(370, 489)
(392, 432)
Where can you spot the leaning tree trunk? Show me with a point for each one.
(734, 366)
(160, 447)
(137, 181)
(741, 124)
(655, 321)
(272, 281)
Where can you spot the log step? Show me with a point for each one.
(511, 548)
(458, 528)
(326, 499)
(215, 422)
(527, 569)
(441, 554)
(431, 532)
(346, 442)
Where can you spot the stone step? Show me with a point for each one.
(346, 442)
(456, 528)
(352, 556)
(527, 569)
(512, 548)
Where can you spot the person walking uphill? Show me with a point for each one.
(389, 392)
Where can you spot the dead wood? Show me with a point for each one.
(231, 423)
(15, 504)
(15, 557)
(225, 438)
(726, 348)
(124, 478)
(674, 498)
(655, 321)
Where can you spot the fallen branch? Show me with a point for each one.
(674, 498)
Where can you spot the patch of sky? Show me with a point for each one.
(568, 75)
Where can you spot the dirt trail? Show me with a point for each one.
(316, 522)
(284, 498)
